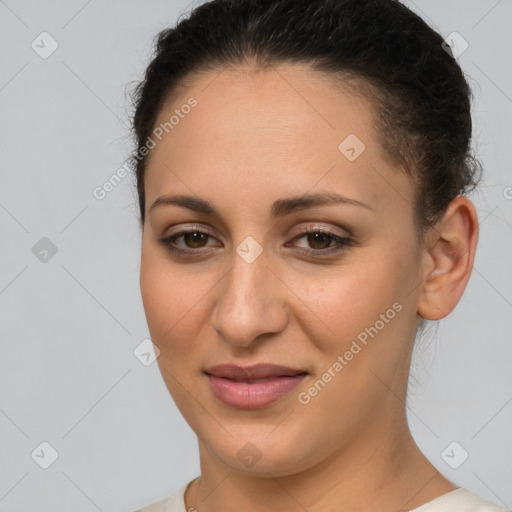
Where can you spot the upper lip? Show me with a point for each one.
(254, 372)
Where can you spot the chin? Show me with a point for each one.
(254, 451)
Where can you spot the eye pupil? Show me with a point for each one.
(193, 238)
(315, 238)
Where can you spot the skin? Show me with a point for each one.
(253, 138)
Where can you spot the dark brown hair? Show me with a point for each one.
(420, 96)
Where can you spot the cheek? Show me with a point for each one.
(354, 296)
(367, 302)
(174, 301)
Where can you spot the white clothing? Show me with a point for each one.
(458, 500)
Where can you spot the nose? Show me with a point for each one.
(250, 303)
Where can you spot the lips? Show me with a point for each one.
(252, 373)
(252, 387)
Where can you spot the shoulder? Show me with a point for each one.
(458, 500)
(173, 503)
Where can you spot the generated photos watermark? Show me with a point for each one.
(356, 346)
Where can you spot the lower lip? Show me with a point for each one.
(253, 395)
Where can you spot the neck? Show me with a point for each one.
(383, 469)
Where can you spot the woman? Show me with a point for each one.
(302, 168)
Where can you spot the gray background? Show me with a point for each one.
(69, 324)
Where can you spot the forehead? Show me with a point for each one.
(288, 103)
(282, 130)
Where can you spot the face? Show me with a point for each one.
(325, 286)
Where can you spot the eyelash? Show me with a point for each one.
(342, 242)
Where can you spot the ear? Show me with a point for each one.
(448, 259)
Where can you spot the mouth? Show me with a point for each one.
(252, 373)
(253, 387)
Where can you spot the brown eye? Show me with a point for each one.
(195, 239)
(187, 242)
(319, 240)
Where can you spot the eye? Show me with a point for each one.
(322, 241)
(192, 239)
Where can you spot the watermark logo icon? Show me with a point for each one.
(249, 455)
(455, 45)
(146, 352)
(454, 455)
(44, 250)
(351, 147)
(44, 455)
(249, 249)
(44, 45)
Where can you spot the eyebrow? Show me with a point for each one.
(280, 207)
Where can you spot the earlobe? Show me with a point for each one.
(450, 251)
